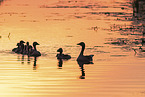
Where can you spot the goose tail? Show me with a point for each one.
(91, 56)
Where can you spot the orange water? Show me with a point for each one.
(116, 71)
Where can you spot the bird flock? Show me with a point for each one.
(27, 49)
(32, 51)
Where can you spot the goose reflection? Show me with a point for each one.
(28, 60)
(81, 65)
(35, 65)
(22, 59)
(60, 63)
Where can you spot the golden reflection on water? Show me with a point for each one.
(115, 72)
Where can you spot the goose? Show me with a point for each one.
(34, 51)
(20, 47)
(16, 49)
(26, 49)
(30, 50)
(81, 57)
(61, 55)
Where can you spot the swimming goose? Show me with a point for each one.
(30, 50)
(34, 51)
(81, 57)
(21, 47)
(26, 49)
(62, 56)
(16, 49)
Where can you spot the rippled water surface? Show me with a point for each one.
(108, 28)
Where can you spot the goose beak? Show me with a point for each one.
(37, 43)
(78, 44)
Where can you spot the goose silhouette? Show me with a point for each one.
(61, 55)
(21, 46)
(34, 52)
(85, 59)
(16, 49)
(26, 49)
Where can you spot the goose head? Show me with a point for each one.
(60, 50)
(81, 44)
(35, 43)
(27, 43)
(21, 42)
(18, 44)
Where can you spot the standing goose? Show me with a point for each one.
(61, 55)
(34, 51)
(81, 57)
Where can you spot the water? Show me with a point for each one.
(106, 26)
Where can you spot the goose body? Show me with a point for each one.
(34, 52)
(61, 55)
(86, 59)
(20, 47)
(26, 49)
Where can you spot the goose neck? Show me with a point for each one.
(60, 53)
(82, 51)
(35, 47)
